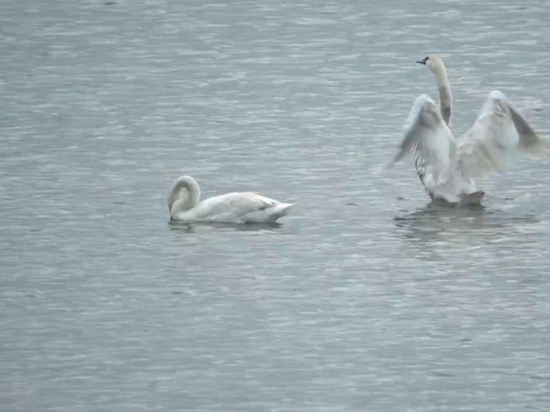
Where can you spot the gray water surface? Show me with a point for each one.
(364, 299)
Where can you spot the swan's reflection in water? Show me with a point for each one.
(435, 219)
(438, 226)
(205, 227)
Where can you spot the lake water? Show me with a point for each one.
(364, 299)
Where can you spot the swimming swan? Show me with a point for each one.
(183, 203)
(447, 166)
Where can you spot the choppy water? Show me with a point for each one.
(363, 300)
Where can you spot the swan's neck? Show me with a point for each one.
(444, 92)
(185, 195)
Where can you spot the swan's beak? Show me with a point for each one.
(424, 60)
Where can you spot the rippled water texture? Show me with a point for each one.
(365, 299)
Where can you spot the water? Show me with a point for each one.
(365, 299)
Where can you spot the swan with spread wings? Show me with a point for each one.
(447, 166)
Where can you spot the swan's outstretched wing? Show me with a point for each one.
(430, 141)
(496, 137)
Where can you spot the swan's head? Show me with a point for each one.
(182, 195)
(185, 194)
(179, 193)
(434, 62)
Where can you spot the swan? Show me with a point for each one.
(184, 205)
(447, 166)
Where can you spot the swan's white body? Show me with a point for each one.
(447, 166)
(237, 207)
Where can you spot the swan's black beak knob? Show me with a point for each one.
(423, 61)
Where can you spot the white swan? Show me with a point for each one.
(183, 203)
(447, 166)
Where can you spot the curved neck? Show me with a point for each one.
(184, 196)
(444, 89)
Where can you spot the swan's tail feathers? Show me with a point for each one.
(471, 199)
(280, 210)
